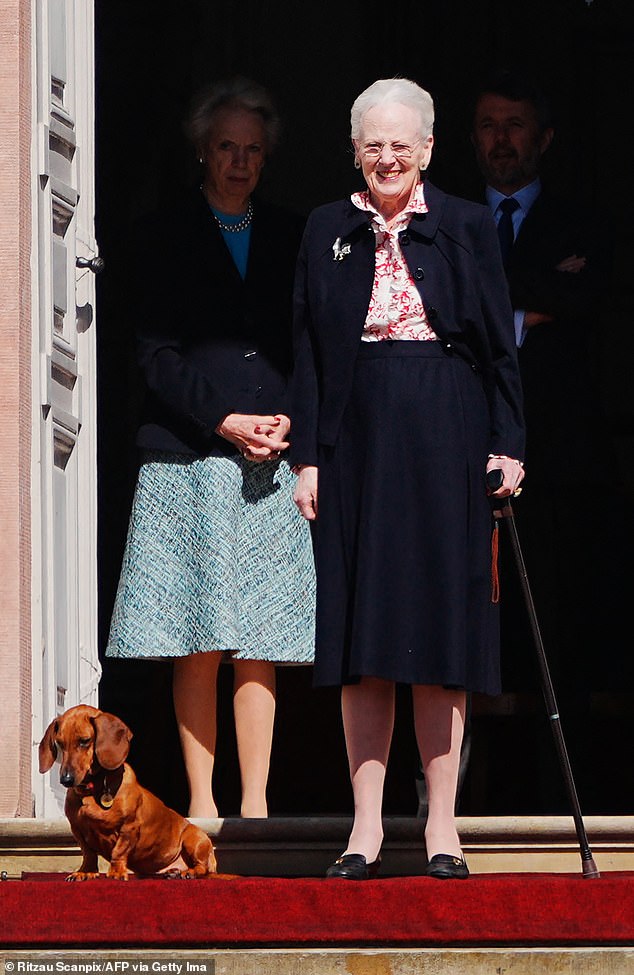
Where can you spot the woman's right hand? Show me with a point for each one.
(305, 493)
(257, 437)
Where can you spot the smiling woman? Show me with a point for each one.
(397, 431)
(392, 169)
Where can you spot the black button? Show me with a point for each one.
(432, 314)
(405, 239)
(258, 390)
(251, 354)
(419, 274)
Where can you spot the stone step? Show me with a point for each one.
(336, 961)
(304, 846)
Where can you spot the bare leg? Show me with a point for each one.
(254, 712)
(368, 720)
(194, 691)
(439, 716)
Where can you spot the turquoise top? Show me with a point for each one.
(237, 241)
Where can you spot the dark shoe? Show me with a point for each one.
(445, 867)
(354, 866)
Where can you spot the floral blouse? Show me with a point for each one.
(396, 310)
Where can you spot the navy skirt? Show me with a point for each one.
(403, 537)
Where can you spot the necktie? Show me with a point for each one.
(505, 226)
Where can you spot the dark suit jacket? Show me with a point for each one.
(209, 342)
(454, 258)
(559, 360)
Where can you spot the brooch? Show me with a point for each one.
(340, 250)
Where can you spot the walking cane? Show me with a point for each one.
(502, 509)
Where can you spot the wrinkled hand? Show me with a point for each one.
(258, 438)
(512, 473)
(305, 493)
(572, 264)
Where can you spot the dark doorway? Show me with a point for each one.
(148, 65)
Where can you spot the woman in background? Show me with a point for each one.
(218, 564)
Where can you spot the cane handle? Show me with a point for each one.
(495, 479)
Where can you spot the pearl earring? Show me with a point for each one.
(357, 164)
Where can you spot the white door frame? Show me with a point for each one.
(64, 475)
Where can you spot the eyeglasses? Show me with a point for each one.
(374, 149)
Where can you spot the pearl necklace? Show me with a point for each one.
(235, 228)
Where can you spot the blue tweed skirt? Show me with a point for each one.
(217, 558)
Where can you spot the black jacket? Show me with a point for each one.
(454, 257)
(209, 342)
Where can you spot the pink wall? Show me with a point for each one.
(15, 408)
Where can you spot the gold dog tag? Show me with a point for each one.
(106, 800)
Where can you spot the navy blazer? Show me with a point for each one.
(209, 342)
(567, 434)
(454, 258)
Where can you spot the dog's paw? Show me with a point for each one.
(117, 874)
(81, 875)
(173, 874)
(195, 873)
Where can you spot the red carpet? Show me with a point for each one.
(488, 909)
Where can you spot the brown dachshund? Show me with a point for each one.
(110, 814)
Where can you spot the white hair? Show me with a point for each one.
(394, 90)
(237, 92)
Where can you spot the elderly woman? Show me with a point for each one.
(218, 564)
(406, 393)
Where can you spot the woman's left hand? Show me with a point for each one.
(277, 431)
(512, 475)
(276, 434)
(258, 438)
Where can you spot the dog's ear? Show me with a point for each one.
(112, 740)
(48, 749)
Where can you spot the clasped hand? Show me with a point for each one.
(258, 438)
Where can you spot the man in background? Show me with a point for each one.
(558, 258)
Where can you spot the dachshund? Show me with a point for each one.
(110, 814)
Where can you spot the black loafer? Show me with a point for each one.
(445, 867)
(354, 866)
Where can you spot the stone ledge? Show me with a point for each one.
(304, 846)
(366, 961)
